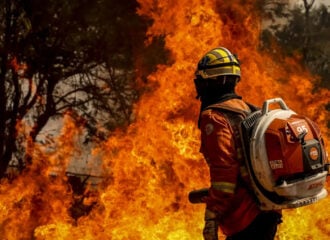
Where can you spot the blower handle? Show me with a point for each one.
(196, 196)
(265, 106)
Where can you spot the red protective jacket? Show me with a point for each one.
(228, 194)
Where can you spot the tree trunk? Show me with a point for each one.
(42, 120)
(307, 32)
(4, 141)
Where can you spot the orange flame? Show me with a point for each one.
(151, 167)
(18, 67)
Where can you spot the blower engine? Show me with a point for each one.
(285, 157)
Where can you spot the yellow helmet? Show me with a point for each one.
(218, 62)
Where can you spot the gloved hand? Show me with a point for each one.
(210, 231)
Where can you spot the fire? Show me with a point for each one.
(151, 166)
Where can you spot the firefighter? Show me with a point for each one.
(230, 204)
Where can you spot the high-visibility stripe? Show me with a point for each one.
(220, 71)
(224, 186)
(229, 55)
(217, 55)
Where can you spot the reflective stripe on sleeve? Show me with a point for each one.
(224, 186)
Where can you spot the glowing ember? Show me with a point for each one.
(151, 167)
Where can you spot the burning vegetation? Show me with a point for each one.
(149, 168)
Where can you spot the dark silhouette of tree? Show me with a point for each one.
(307, 23)
(272, 9)
(60, 56)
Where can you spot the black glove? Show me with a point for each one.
(210, 231)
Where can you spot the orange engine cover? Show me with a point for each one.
(291, 148)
